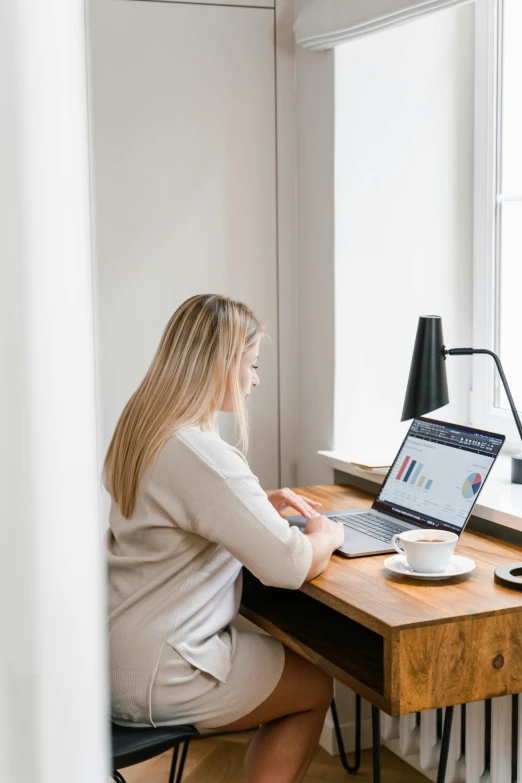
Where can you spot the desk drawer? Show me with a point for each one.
(459, 662)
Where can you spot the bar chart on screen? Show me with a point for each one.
(410, 472)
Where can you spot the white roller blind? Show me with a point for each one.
(323, 24)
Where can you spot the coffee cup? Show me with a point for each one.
(427, 551)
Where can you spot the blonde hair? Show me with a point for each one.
(198, 355)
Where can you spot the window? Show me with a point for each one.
(498, 212)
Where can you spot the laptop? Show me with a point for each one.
(434, 483)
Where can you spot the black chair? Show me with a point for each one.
(133, 745)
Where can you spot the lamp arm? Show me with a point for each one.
(467, 352)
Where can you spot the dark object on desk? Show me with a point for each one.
(134, 745)
(427, 383)
(509, 576)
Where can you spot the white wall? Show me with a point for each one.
(403, 217)
(184, 186)
(385, 227)
(316, 300)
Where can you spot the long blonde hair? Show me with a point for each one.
(199, 353)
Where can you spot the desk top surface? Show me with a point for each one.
(362, 589)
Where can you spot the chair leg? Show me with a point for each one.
(176, 771)
(174, 763)
(182, 761)
(376, 737)
(351, 769)
(117, 777)
(444, 750)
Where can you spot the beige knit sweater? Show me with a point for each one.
(175, 566)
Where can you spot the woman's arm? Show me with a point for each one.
(326, 536)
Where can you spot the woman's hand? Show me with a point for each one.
(326, 536)
(285, 498)
(318, 524)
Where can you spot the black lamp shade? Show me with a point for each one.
(427, 385)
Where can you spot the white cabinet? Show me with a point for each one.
(184, 185)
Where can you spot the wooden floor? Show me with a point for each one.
(220, 760)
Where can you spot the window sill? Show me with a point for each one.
(499, 502)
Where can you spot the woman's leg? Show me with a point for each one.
(290, 723)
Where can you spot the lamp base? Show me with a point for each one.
(509, 576)
(516, 470)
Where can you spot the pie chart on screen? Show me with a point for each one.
(472, 485)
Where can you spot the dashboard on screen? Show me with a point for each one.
(438, 474)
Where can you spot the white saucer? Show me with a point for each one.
(458, 565)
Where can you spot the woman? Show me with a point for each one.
(186, 514)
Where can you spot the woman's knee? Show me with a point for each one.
(324, 689)
(311, 686)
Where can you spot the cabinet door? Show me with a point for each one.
(183, 138)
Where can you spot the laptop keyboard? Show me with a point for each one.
(373, 525)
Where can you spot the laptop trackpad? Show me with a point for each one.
(358, 544)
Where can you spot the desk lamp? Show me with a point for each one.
(428, 385)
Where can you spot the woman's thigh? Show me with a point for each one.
(302, 687)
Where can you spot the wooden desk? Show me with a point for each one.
(403, 644)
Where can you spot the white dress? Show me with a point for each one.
(175, 581)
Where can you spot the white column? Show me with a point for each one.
(53, 703)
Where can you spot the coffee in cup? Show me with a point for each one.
(427, 551)
(429, 540)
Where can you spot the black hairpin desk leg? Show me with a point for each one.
(376, 737)
(444, 750)
(350, 768)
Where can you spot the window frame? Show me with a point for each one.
(486, 290)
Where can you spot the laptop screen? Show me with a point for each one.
(438, 474)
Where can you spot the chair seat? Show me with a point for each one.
(133, 745)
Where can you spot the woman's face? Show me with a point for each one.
(248, 377)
